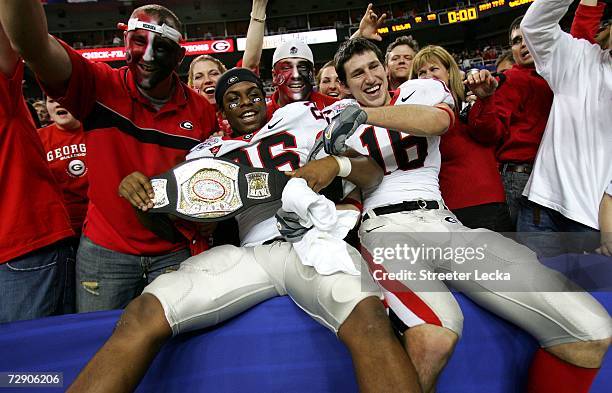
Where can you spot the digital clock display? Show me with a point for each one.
(458, 16)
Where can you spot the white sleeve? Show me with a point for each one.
(424, 92)
(556, 53)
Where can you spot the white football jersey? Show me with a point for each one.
(283, 143)
(411, 163)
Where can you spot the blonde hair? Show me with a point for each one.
(437, 54)
(326, 65)
(199, 59)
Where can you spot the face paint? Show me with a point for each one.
(294, 78)
(149, 56)
(244, 107)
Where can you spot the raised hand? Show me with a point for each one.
(369, 25)
(481, 83)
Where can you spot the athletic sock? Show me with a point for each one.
(549, 374)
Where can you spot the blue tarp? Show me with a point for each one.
(273, 347)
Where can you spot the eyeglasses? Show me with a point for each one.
(604, 26)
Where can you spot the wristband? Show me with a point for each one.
(351, 201)
(344, 163)
(260, 20)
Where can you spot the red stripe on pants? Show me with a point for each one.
(408, 298)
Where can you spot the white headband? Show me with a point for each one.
(164, 30)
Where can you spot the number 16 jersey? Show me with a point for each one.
(411, 163)
(284, 143)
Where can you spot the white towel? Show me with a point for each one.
(323, 246)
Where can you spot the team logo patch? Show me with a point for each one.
(247, 137)
(451, 220)
(232, 80)
(76, 168)
(209, 189)
(215, 149)
(186, 125)
(258, 186)
(293, 50)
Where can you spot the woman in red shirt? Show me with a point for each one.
(469, 180)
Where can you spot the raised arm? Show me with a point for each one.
(586, 20)
(418, 120)
(255, 35)
(547, 42)
(25, 25)
(369, 25)
(8, 57)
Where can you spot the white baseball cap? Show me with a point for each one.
(293, 48)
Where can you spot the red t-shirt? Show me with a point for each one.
(125, 133)
(468, 174)
(66, 154)
(33, 215)
(320, 100)
(515, 116)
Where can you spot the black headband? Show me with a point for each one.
(231, 77)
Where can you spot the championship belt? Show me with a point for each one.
(214, 189)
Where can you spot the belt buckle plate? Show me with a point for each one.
(204, 191)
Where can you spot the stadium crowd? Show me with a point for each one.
(509, 143)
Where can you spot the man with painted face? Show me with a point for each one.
(293, 76)
(226, 280)
(292, 65)
(139, 117)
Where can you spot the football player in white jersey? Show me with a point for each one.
(406, 209)
(224, 281)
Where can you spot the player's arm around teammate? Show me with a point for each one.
(368, 81)
(360, 170)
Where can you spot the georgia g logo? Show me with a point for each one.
(186, 125)
(76, 168)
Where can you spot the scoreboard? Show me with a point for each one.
(453, 16)
(457, 16)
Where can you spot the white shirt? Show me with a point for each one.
(574, 162)
(283, 143)
(411, 163)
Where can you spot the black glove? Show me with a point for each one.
(341, 128)
(288, 224)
